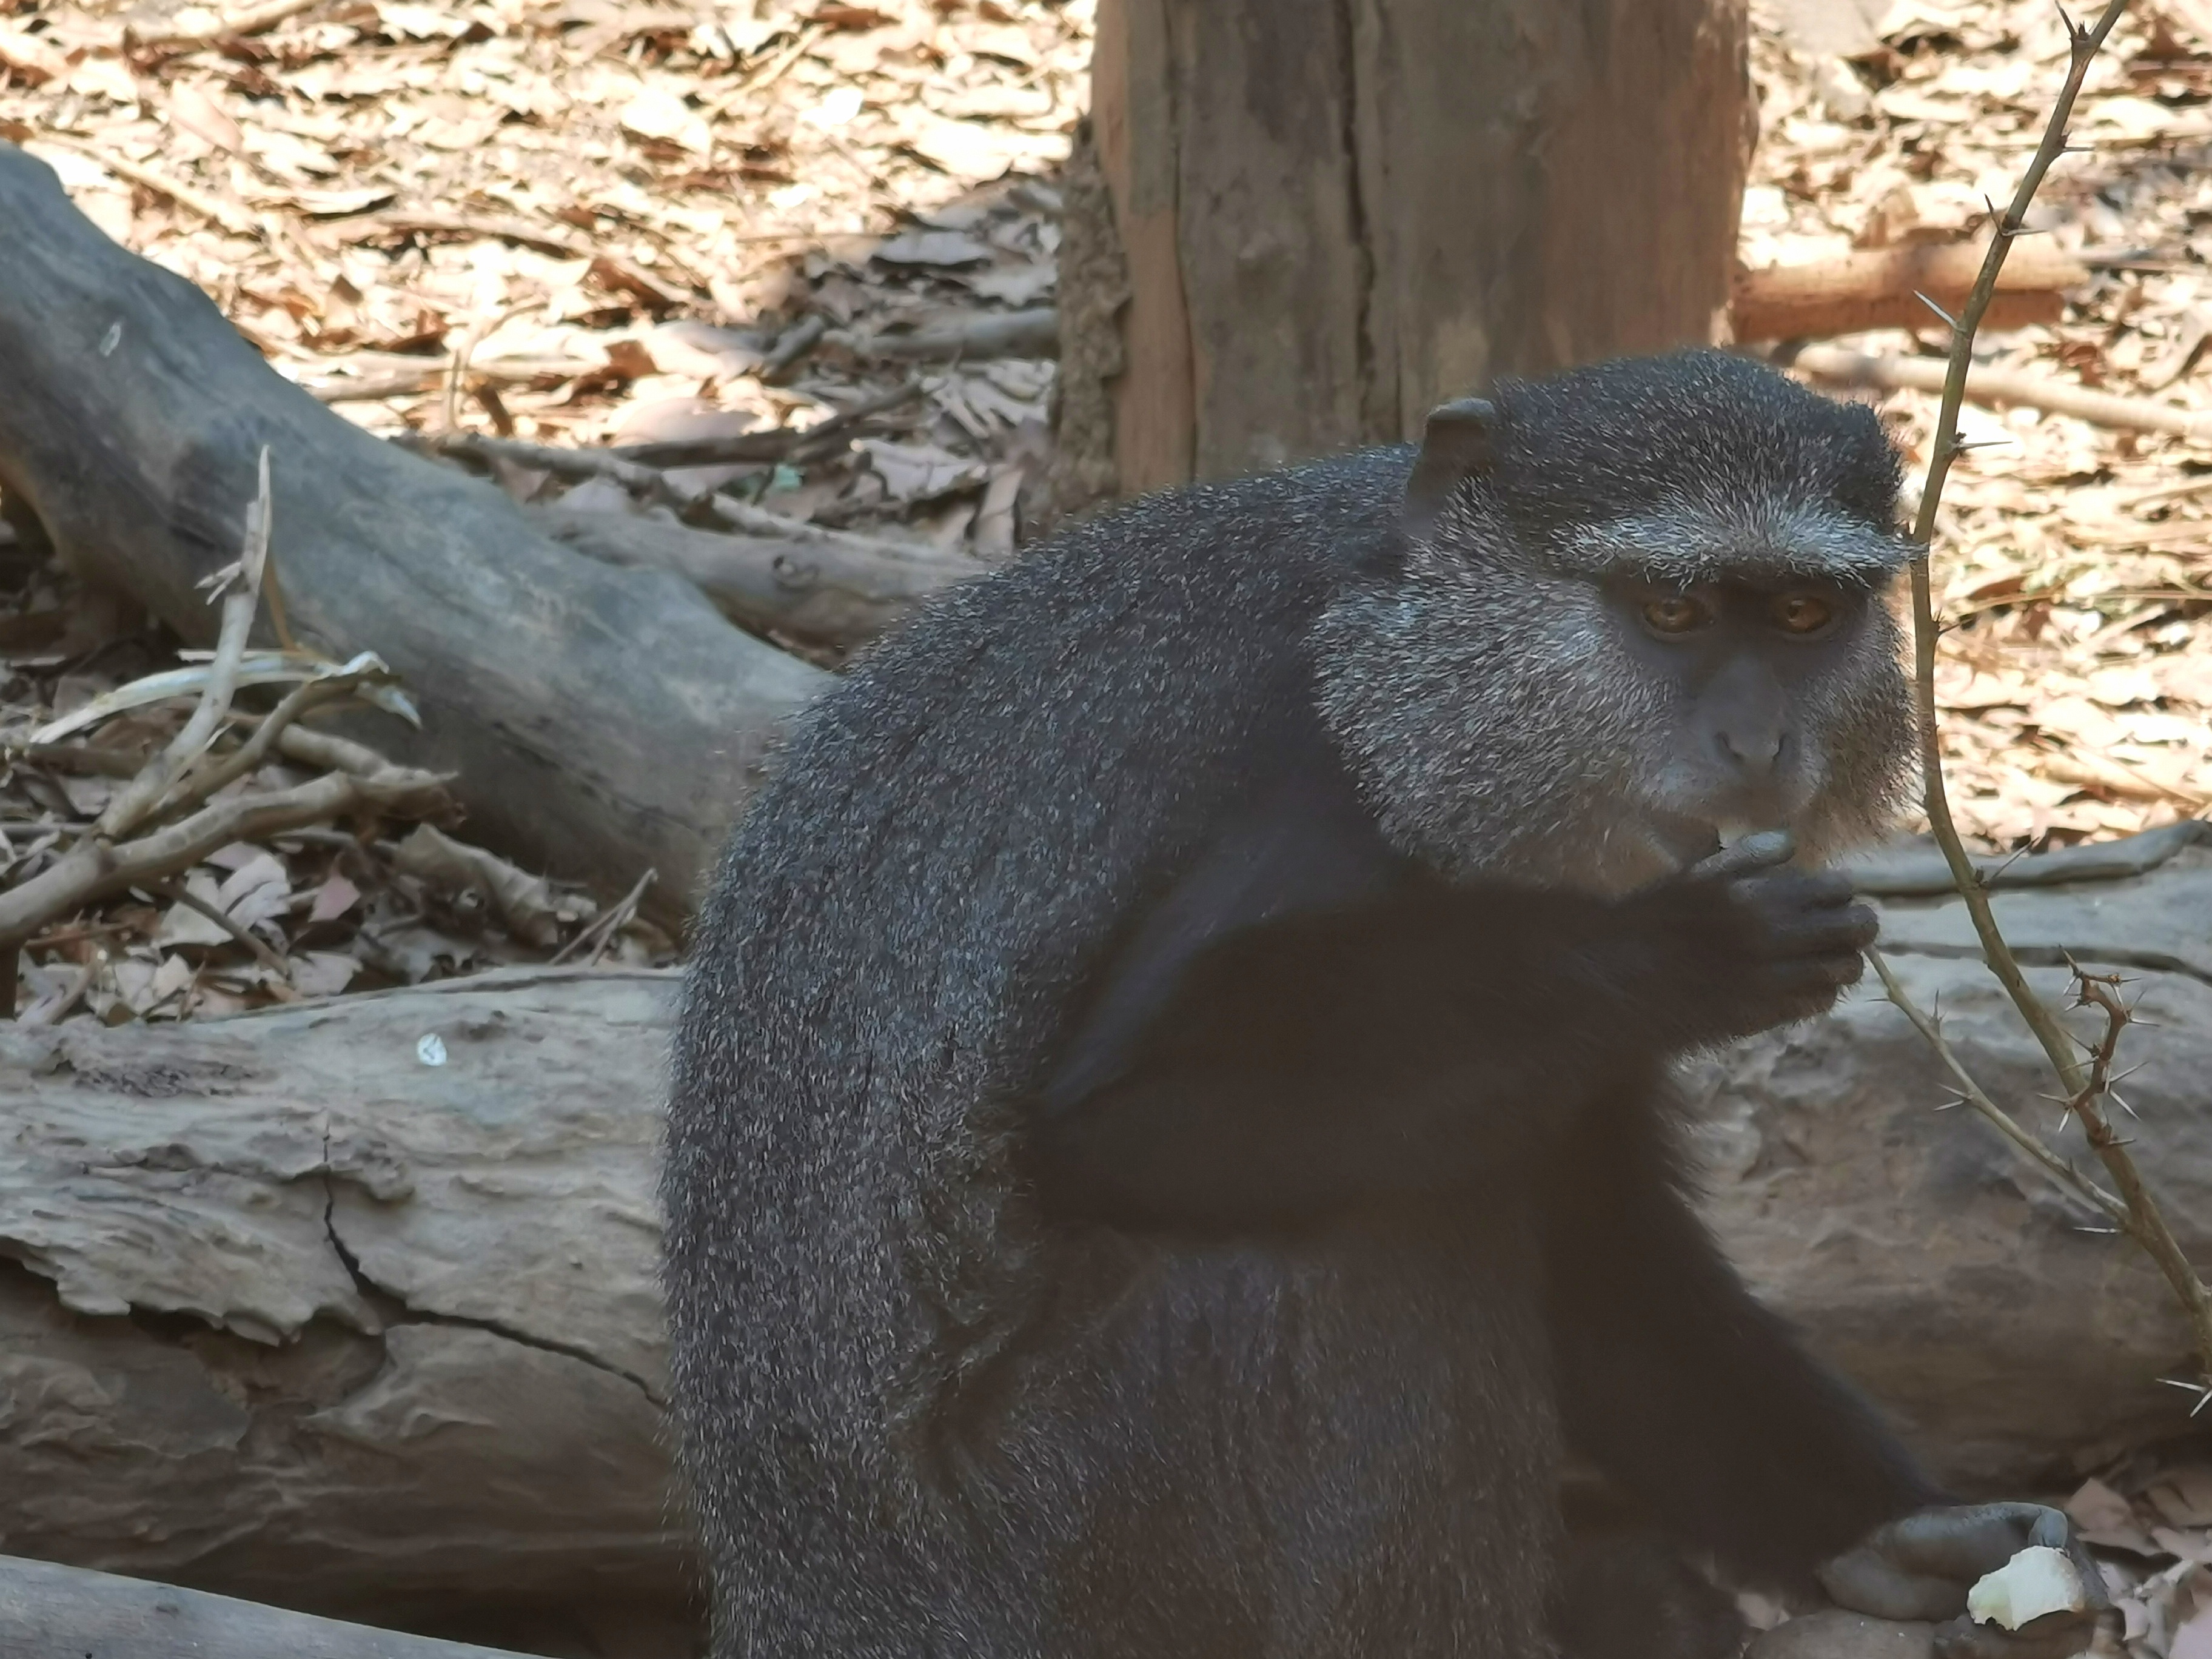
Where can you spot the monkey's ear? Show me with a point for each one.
(1454, 445)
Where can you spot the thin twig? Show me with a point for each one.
(53, 1009)
(177, 893)
(94, 869)
(139, 797)
(2083, 1087)
(600, 933)
(204, 782)
(2063, 1174)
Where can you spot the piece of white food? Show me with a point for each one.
(2037, 1581)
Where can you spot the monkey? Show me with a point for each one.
(1171, 1136)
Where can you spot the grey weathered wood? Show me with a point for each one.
(49, 1611)
(598, 719)
(305, 1319)
(812, 584)
(1337, 213)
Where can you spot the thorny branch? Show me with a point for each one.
(2086, 1088)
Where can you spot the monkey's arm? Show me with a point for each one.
(1313, 1059)
(1686, 1391)
(1408, 1040)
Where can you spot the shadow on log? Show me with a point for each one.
(598, 719)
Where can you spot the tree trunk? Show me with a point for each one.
(1334, 213)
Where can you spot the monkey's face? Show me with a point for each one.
(1600, 722)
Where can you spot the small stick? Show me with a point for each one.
(53, 1011)
(602, 932)
(177, 892)
(202, 785)
(94, 869)
(2063, 1174)
(231, 216)
(1995, 387)
(138, 799)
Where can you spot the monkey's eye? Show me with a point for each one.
(1802, 613)
(1676, 613)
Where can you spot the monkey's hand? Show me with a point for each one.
(1746, 944)
(1922, 1567)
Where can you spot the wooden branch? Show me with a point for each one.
(94, 869)
(610, 268)
(2145, 1221)
(2000, 388)
(1881, 289)
(781, 445)
(798, 580)
(136, 801)
(597, 722)
(1033, 333)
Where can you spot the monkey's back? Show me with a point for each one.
(883, 965)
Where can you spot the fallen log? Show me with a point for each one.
(1881, 289)
(598, 721)
(47, 1611)
(820, 585)
(290, 1312)
(310, 1320)
(2002, 388)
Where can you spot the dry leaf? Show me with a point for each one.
(193, 109)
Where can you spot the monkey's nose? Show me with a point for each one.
(1752, 748)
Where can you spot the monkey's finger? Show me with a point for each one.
(1820, 932)
(1865, 1580)
(2054, 1636)
(1969, 1539)
(1763, 851)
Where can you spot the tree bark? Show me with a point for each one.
(599, 721)
(1335, 214)
(304, 1319)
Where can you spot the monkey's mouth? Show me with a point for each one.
(1688, 841)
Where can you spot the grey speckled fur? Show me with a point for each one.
(920, 1419)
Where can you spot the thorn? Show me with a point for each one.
(1939, 310)
(1960, 446)
(2072, 28)
(2204, 1394)
(2125, 1107)
(2099, 1232)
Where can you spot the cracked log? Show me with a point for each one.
(599, 721)
(305, 1320)
(301, 1318)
